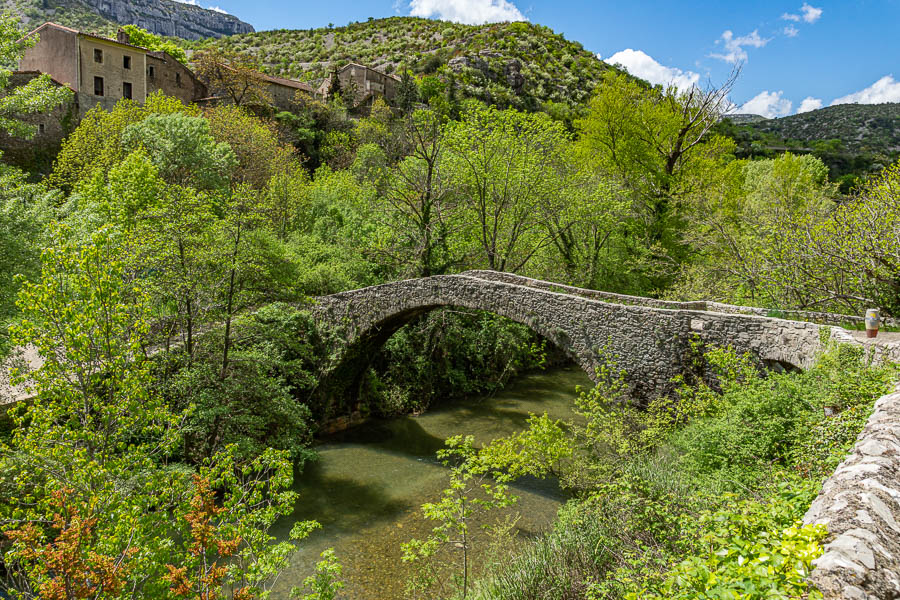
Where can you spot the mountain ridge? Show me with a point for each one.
(520, 64)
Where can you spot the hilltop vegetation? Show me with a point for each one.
(509, 64)
(853, 140)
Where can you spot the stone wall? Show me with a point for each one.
(36, 154)
(172, 78)
(860, 505)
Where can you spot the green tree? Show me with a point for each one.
(504, 163)
(419, 209)
(183, 150)
(471, 493)
(150, 41)
(37, 96)
(847, 260)
(407, 92)
(96, 144)
(91, 455)
(655, 144)
(739, 227)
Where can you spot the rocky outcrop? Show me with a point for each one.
(170, 18)
(492, 66)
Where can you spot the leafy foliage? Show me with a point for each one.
(143, 38)
(37, 96)
(666, 508)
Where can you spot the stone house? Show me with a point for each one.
(368, 83)
(282, 92)
(102, 70)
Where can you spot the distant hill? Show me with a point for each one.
(515, 64)
(854, 140)
(744, 119)
(860, 127)
(163, 17)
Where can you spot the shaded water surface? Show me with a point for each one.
(368, 484)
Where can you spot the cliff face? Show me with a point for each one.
(170, 18)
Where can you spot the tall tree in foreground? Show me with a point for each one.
(422, 208)
(92, 507)
(849, 260)
(655, 143)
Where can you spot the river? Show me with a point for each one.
(368, 483)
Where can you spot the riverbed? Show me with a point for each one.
(368, 484)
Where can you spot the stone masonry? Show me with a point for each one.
(860, 505)
(651, 344)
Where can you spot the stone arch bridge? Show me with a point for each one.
(650, 339)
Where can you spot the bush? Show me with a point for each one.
(263, 399)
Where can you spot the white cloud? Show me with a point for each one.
(791, 31)
(218, 9)
(768, 104)
(809, 103)
(809, 14)
(885, 89)
(734, 46)
(472, 12)
(644, 66)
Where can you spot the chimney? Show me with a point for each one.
(122, 37)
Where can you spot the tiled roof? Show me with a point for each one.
(89, 35)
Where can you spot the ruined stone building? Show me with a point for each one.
(367, 83)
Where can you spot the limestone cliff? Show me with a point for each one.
(163, 17)
(166, 17)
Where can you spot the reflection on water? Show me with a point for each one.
(368, 484)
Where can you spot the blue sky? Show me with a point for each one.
(796, 55)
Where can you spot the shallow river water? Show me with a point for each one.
(369, 482)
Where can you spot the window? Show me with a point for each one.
(150, 71)
(178, 79)
(41, 128)
(126, 62)
(98, 55)
(98, 86)
(126, 90)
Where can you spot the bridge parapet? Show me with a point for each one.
(823, 318)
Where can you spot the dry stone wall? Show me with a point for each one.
(860, 505)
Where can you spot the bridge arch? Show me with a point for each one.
(651, 344)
